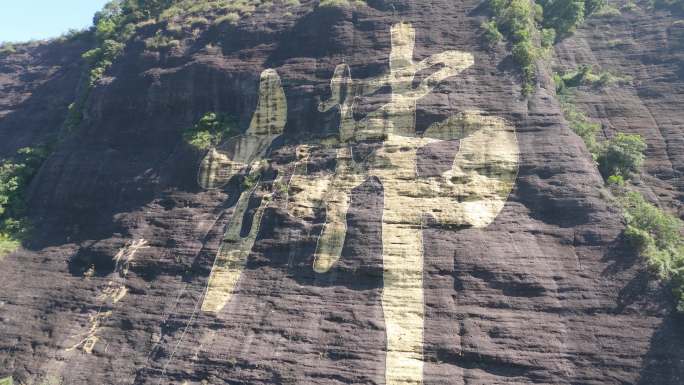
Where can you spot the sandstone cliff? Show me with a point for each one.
(537, 288)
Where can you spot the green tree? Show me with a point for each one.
(15, 176)
(657, 236)
(621, 155)
(210, 130)
(565, 15)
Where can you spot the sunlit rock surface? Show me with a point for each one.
(469, 239)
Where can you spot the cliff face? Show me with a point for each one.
(38, 84)
(481, 250)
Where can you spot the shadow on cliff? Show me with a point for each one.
(663, 364)
(38, 119)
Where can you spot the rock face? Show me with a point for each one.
(383, 241)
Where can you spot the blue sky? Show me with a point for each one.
(22, 20)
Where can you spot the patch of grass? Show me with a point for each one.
(210, 130)
(657, 236)
(7, 381)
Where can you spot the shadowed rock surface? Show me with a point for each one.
(546, 294)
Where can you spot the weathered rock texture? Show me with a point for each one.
(111, 291)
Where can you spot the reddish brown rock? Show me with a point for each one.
(547, 294)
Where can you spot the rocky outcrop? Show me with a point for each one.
(544, 291)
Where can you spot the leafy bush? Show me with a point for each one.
(101, 58)
(657, 236)
(630, 6)
(565, 15)
(210, 130)
(15, 176)
(548, 37)
(241, 8)
(251, 180)
(516, 19)
(230, 18)
(616, 180)
(492, 33)
(608, 79)
(340, 3)
(584, 75)
(160, 41)
(621, 155)
(581, 125)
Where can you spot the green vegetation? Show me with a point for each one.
(651, 231)
(7, 49)
(581, 125)
(533, 27)
(237, 9)
(230, 18)
(584, 75)
(492, 32)
(210, 130)
(340, 3)
(7, 381)
(251, 179)
(617, 157)
(565, 15)
(517, 20)
(101, 58)
(621, 155)
(657, 236)
(160, 41)
(630, 6)
(615, 180)
(281, 187)
(15, 176)
(608, 11)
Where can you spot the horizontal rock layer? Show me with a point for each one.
(111, 291)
